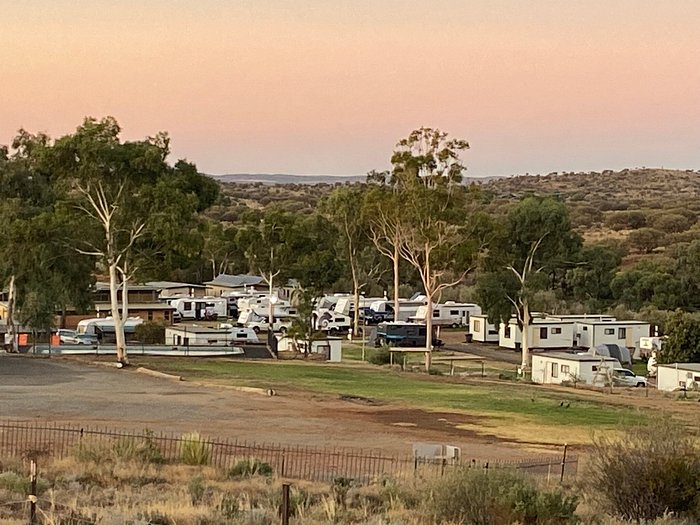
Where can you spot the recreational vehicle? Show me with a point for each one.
(448, 314)
(383, 310)
(103, 327)
(207, 308)
(225, 335)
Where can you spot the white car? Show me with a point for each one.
(625, 377)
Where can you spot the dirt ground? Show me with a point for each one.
(61, 390)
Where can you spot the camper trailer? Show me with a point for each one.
(556, 368)
(225, 335)
(205, 308)
(103, 327)
(449, 314)
(383, 309)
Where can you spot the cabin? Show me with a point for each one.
(556, 368)
(331, 347)
(481, 330)
(173, 289)
(678, 376)
(623, 333)
(448, 314)
(543, 333)
(203, 336)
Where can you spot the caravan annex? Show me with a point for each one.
(482, 331)
(544, 333)
(557, 368)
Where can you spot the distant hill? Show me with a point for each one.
(283, 178)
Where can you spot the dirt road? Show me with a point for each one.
(62, 390)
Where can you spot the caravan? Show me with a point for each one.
(103, 329)
(449, 314)
(205, 308)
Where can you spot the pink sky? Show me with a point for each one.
(328, 87)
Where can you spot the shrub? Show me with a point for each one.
(646, 473)
(382, 356)
(150, 333)
(625, 220)
(247, 468)
(646, 239)
(194, 449)
(142, 449)
(493, 497)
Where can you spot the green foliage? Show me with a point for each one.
(249, 467)
(626, 220)
(683, 339)
(590, 280)
(140, 449)
(645, 240)
(150, 333)
(194, 449)
(646, 473)
(483, 497)
(381, 356)
(18, 484)
(196, 489)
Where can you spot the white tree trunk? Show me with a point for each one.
(270, 305)
(11, 331)
(428, 330)
(396, 260)
(525, 341)
(116, 316)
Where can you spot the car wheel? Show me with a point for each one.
(256, 329)
(324, 323)
(455, 325)
(640, 384)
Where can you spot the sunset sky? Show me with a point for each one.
(328, 86)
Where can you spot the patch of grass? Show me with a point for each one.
(498, 400)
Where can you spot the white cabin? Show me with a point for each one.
(678, 376)
(201, 308)
(449, 314)
(204, 336)
(583, 317)
(558, 368)
(332, 347)
(622, 333)
(482, 331)
(543, 333)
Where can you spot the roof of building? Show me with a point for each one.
(615, 322)
(165, 285)
(235, 281)
(105, 307)
(198, 330)
(101, 287)
(691, 367)
(583, 358)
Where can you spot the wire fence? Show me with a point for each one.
(323, 464)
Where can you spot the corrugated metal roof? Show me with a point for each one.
(574, 357)
(235, 281)
(691, 367)
(164, 285)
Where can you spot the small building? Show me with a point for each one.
(331, 347)
(583, 317)
(557, 368)
(482, 331)
(543, 333)
(624, 333)
(678, 376)
(203, 336)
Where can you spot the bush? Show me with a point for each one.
(141, 449)
(494, 497)
(382, 356)
(625, 220)
(646, 473)
(150, 333)
(646, 239)
(247, 468)
(194, 449)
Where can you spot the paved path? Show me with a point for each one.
(63, 390)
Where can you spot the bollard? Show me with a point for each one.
(285, 504)
(32, 495)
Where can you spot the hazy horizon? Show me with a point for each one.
(327, 88)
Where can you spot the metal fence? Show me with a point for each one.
(36, 440)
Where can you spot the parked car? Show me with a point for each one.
(625, 377)
(80, 339)
(65, 335)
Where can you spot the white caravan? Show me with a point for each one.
(481, 330)
(556, 368)
(383, 310)
(201, 308)
(101, 325)
(449, 314)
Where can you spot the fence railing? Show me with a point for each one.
(35, 440)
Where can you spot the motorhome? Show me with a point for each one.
(103, 327)
(402, 333)
(205, 308)
(258, 319)
(224, 335)
(383, 310)
(448, 314)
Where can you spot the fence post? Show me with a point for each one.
(563, 464)
(442, 466)
(32, 495)
(285, 504)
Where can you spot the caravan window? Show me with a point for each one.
(609, 331)
(564, 369)
(436, 313)
(187, 305)
(621, 333)
(506, 332)
(556, 331)
(477, 325)
(543, 332)
(454, 312)
(555, 369)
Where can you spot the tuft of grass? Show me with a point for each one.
(247, 468)
(194, 449)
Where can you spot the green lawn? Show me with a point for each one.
(499, 401)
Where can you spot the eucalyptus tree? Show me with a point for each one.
(533, 246)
